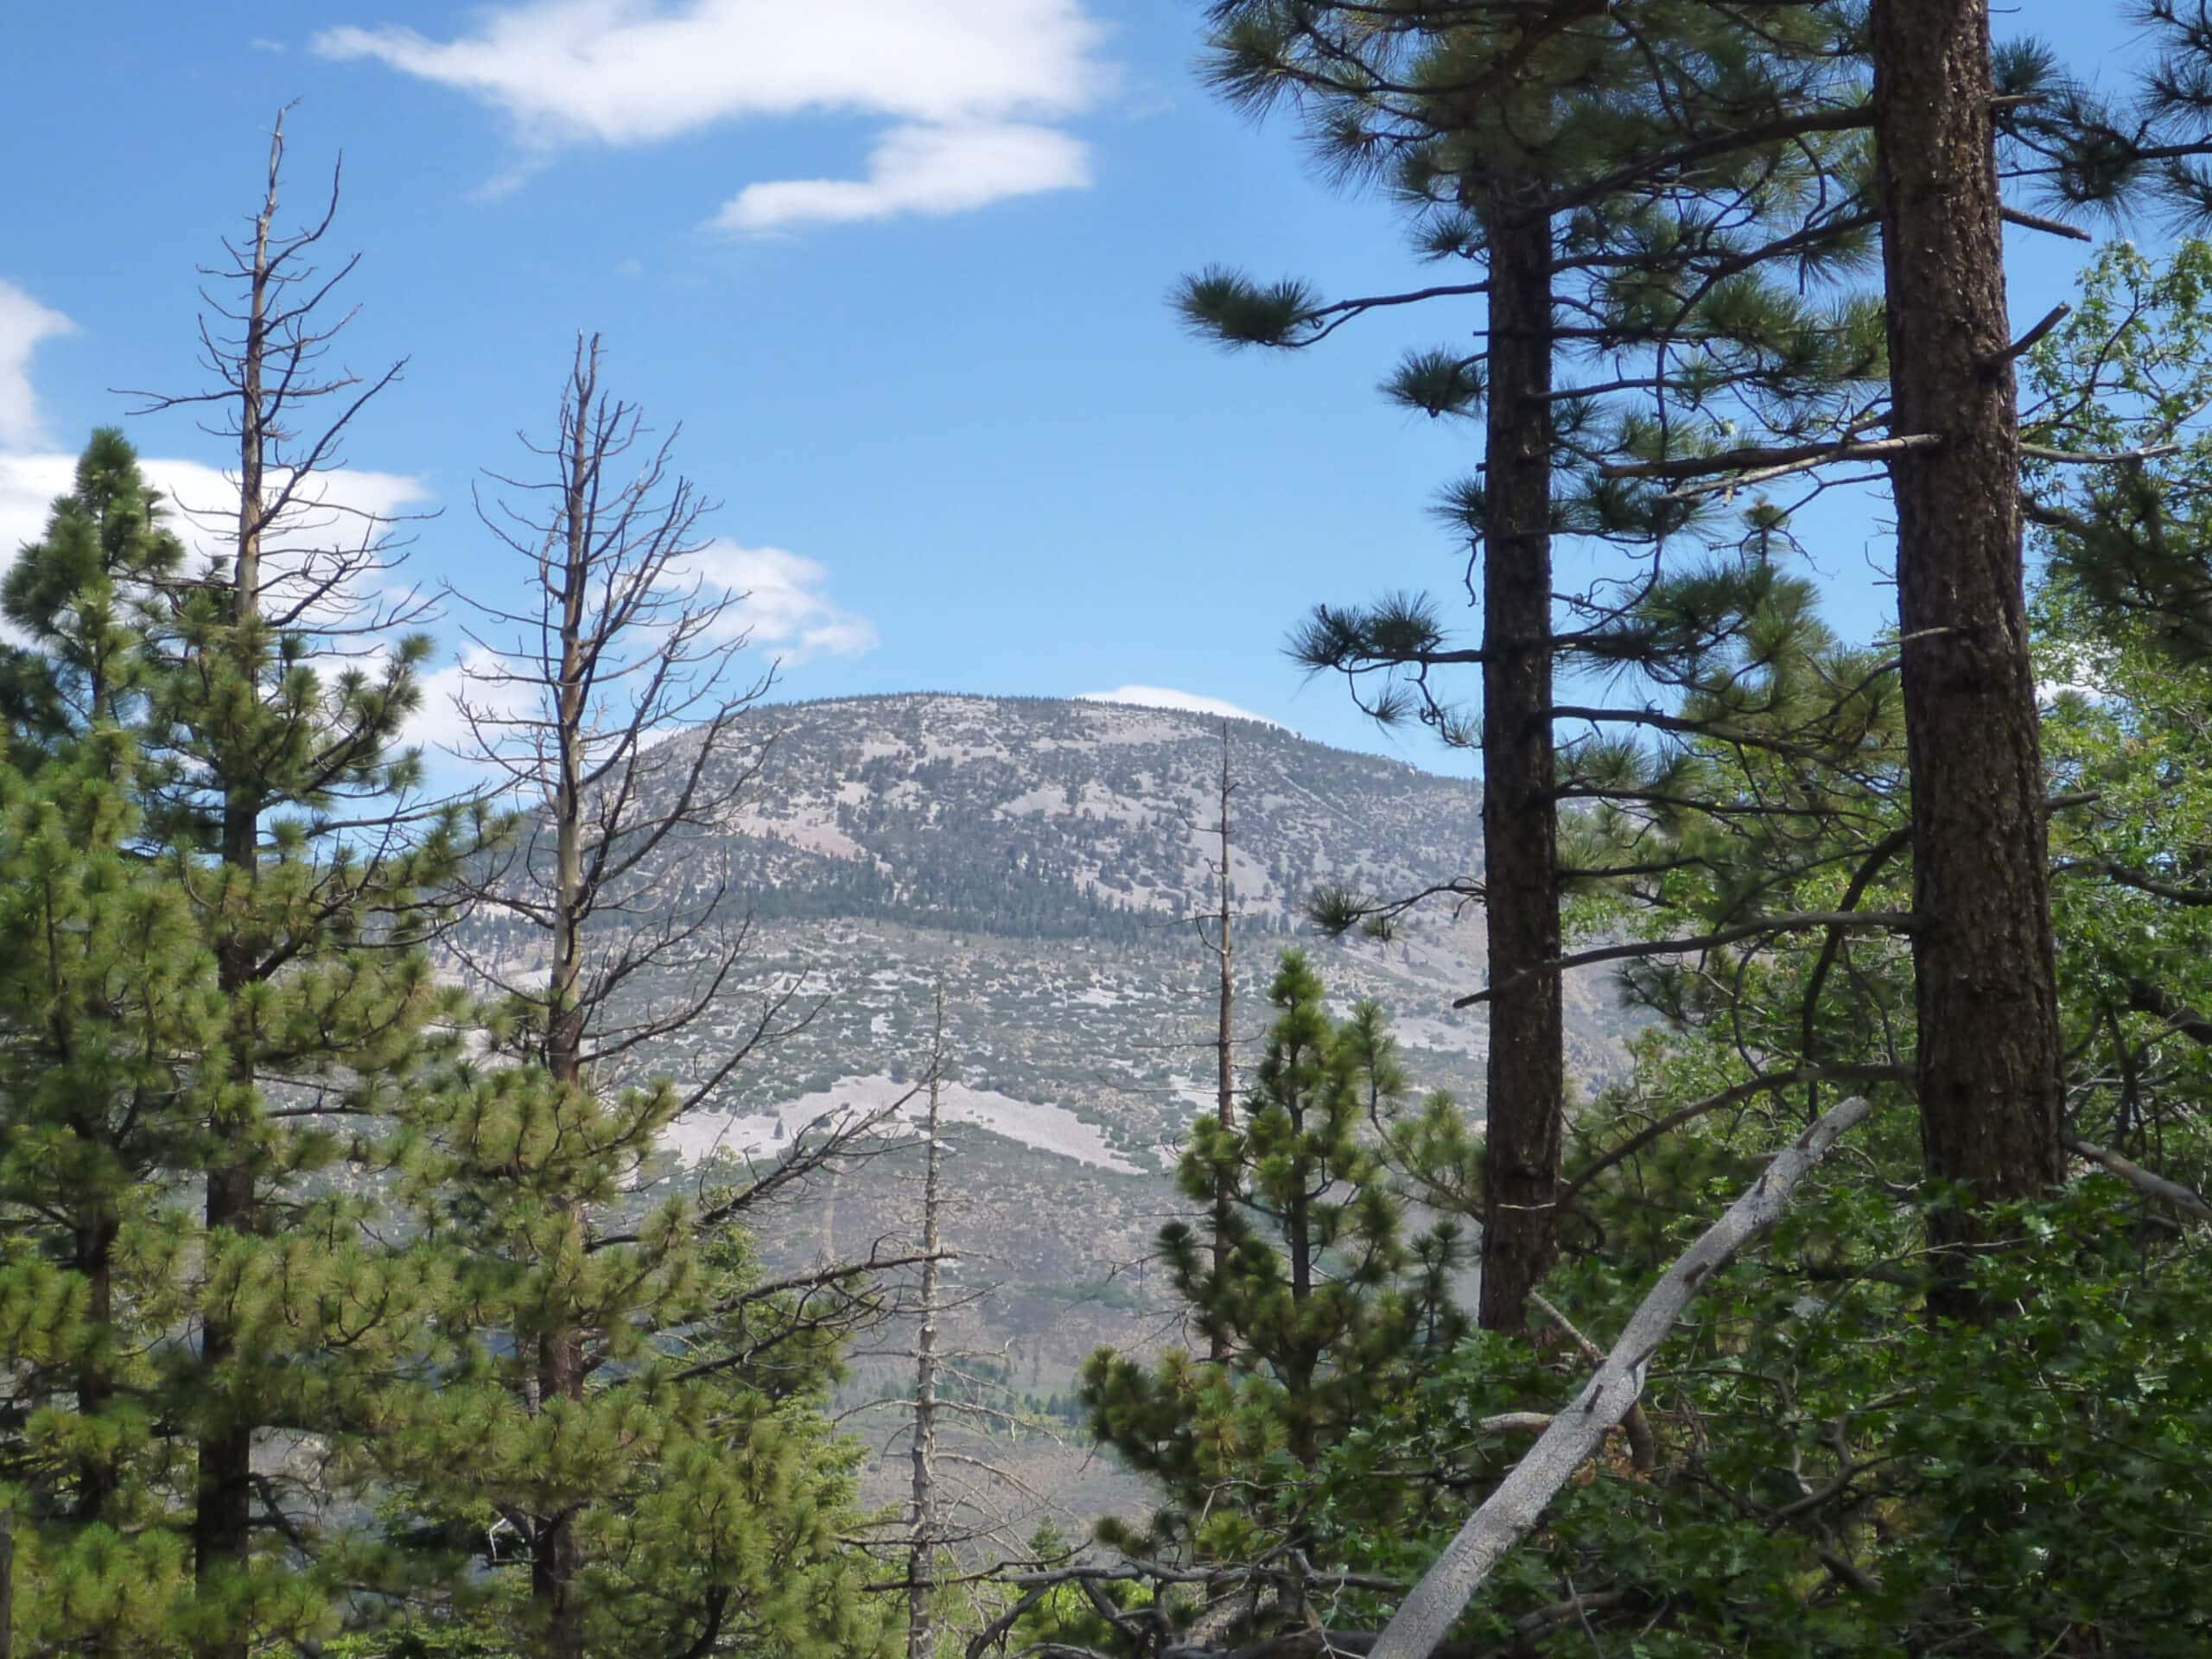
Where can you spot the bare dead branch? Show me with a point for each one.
(1521, 1497)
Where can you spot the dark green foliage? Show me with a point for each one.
(1329, 1309)
(713, 1499)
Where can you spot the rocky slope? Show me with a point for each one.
(1044, 860)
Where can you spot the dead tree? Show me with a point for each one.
(966, 1520)
(920, 1632)
(609, 701)
(1225, 1080)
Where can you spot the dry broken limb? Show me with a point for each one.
(1568, 1438)
(1576, 1433)
(2172, 1194)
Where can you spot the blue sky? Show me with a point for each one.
(897, 266)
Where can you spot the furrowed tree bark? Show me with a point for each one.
(1519, 1501)
(1526, 1080)
(1989, 1047)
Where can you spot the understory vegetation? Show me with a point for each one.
(352, 1303)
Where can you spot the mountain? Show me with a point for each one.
(1044, 859)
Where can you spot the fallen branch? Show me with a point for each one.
(2172, 1194)
(1521, 1499)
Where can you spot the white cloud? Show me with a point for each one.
(334, 514)
(776, 600)
(962, 84)
(782, 605)
(23, 323)
(929, 170)
(27, 486)
(439, 728)
(1188, 702)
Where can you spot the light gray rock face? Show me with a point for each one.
(1046, 858)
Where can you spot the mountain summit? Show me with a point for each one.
(1046, 858)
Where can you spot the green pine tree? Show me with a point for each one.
(108, 1016)
(1643, 187)
(287, 817)
(1328, 1310)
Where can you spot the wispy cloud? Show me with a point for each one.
(24, 324)
(1188, 702)
(776, 600)
(202, 505)
(928, 170)
(969, 88)
(782, 604)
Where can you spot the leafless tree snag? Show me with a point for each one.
(1225, 1081)
(921, 1633)
(610, 702)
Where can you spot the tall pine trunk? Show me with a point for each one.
(1989, 1055)
(559, 1554)
(222, 1521)
(1527, 1068)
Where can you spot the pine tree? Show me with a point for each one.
(106, 1013)
(1984, 962)
(1622, 176)
(1326, 1311)
(1955, 121)
(290, 822)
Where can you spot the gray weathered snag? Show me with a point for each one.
(1578, 1429)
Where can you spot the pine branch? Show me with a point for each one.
(1895, 920)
